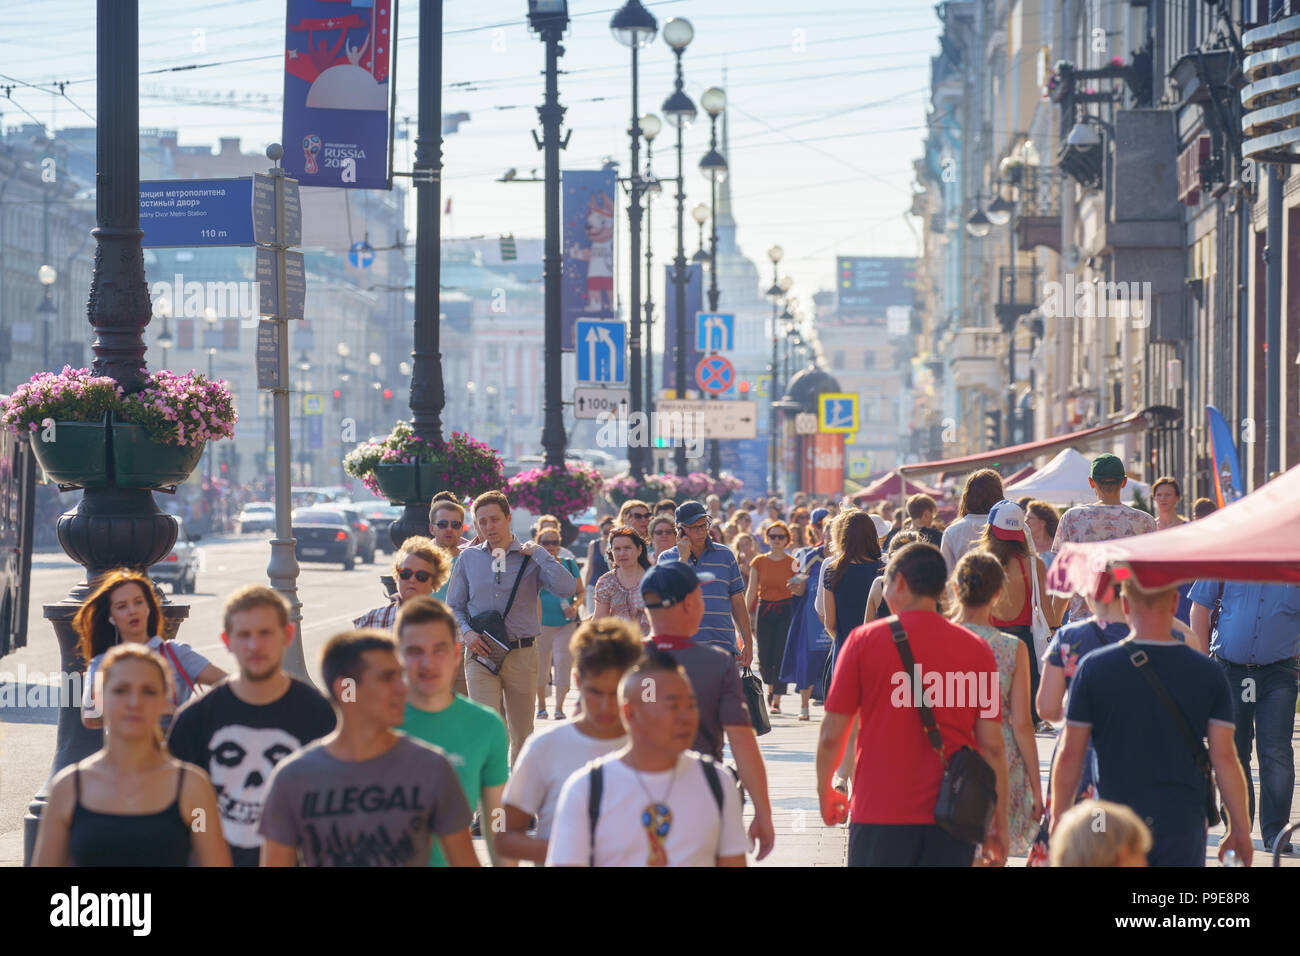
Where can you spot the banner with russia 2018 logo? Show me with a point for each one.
(336, 94)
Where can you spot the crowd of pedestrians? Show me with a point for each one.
(936, 649)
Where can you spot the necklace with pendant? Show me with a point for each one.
(657, 820)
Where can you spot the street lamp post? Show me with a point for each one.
(650, 127)
(679, 110)
(714, 167)
(375, 360)
(111, 527)
(428, 396)
(212, 354)
(634, 27)
(774, 293)
(165, 338)
(549, 19)
(47, 276)
(304, 366)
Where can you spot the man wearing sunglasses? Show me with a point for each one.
(724, 596)
(446, 526)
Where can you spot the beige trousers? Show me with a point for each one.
(553, 658)
(512, 693)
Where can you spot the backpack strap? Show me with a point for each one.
(596, 778)
(909, 666)
(711, 775)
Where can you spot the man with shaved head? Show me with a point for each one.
(654, 802)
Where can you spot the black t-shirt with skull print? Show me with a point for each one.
(239, 744)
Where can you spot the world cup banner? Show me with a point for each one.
(589, 216)
(336, 97)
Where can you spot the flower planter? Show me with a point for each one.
(140, 462)
(78, 455)
(403, 483)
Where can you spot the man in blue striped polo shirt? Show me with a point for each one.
(724, 597)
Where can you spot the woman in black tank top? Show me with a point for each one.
(98, 811)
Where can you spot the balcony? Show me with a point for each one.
(1017, 294)
(1038, 212)
(976, 359)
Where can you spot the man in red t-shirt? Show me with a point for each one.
(896, 783)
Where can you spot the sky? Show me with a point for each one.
(825, 98)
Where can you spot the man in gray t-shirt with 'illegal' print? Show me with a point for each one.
(365, 795)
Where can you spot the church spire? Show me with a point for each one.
(726, 222)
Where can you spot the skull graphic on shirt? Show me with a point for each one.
(240, 765)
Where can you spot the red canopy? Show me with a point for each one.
(1254, 539)
(887, 486)
(1020, 475)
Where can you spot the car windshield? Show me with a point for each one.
(319, 517)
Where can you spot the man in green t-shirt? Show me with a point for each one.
(472, 736)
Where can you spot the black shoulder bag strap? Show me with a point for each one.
(909, 665)
(596, 778)
(1138, 658)
(518, 577)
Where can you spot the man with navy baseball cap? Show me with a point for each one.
(725, 612)
(674, 599)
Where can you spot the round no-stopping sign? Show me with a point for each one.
(715, 374)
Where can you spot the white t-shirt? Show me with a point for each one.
(548, 759)
(697, 834)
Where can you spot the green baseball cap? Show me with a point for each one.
(1107, 468)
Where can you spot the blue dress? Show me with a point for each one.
(806, 650)
(851, 594)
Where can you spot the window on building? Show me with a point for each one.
(837, 359)
(492, 354)
(185, 333)
(868, 358)
(230, 334)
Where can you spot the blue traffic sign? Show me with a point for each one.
(197, 212)
(838, 412)
(715, 331)
(361, 254)
(602, 351)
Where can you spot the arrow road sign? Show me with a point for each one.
(715, 374)
(594, 402)
(694, 419)
(715, 331)
(837, 413)
(361, 254)
(602, 352)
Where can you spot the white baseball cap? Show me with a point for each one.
(1007, 521)
(883, 527)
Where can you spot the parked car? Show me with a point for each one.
(363, 529)
(381, 514)
(324, 535)
(180, 568)
(257, 516)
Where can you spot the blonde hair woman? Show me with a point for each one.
(99, 811)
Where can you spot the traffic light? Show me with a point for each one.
(992, 429)
(338, 399)
(744, 388)
(388, 399)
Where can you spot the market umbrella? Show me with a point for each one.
(1254, 539)
(1064, 481)
(887, 487)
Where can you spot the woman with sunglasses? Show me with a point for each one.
(663, 535)
(618, 592)
(768, 600)
(420, 567)
(559, 618)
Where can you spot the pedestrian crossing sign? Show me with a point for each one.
(837, 413)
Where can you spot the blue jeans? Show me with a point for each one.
(1268, 720)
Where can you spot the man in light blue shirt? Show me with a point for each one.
(724, 597)
(1256, 641)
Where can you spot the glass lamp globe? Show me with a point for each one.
(700, 214)
(633, 25)
(650, 126)
(678, 33)
(775, 253)
(714, 100)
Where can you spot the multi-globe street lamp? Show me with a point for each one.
(46, 276)
(679, 110)
(650, 127)
(634, 27)
(774, 293)
(714, 167)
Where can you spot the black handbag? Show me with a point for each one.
(1138, 658)
(492, 624)
(756, 702)
(968, 793)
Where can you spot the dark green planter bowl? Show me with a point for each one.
(403, 483)
(140, 462)
(78, 456)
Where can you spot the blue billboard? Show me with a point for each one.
(694, 304)
(588, 214)
(336, 93)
